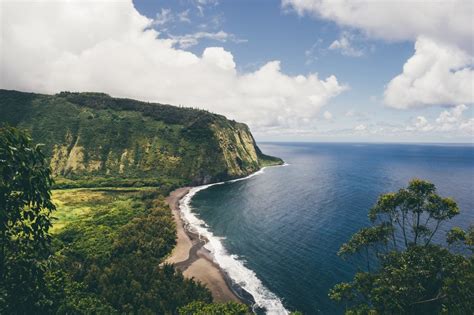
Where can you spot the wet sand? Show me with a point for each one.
(192, 259)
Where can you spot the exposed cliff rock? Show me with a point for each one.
(92, 135)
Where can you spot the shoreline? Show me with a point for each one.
(191, 258)
(226, 277)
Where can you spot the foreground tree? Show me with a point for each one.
(460, 238)
(25, 208)
(406, 273)
(201, 308)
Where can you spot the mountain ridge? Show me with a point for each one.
(95, 139)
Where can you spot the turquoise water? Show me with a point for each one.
(287, 223)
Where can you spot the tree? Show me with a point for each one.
(25, 208)
(461, 238)
(416, 210)
(410, 274)
(201, 308)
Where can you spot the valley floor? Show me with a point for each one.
(99, 213)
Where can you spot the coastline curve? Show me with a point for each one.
(230, 264)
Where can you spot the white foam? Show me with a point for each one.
(235, 268)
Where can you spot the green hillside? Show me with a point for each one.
(92, 139)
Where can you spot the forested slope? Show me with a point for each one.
(92, 139)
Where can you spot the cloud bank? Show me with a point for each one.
(107, 46)
(437, 74)
(441, 70)
(449, 120)
(446, 21)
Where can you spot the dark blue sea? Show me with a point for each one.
(286, 225)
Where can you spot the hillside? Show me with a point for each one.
(92, 139)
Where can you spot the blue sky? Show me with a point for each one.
(294, 70)
(265, 31)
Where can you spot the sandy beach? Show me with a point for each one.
(192, 259)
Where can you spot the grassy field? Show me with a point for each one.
(83, 204)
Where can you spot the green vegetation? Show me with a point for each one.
(25, 206)
(409, 274)
(107, 250)
(200, 308)
(113, 161)
(94, 140)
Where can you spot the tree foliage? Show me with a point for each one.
(115, 257)
(25, 208)
(409, 274)
(416, 211)
(461, 238)
(200, 308)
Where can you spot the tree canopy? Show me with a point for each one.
(405, 272)
(200, 308)
(25, 208)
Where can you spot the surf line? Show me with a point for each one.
(230, 264)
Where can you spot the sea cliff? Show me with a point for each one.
(93, 139)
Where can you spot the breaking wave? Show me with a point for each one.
(230, 264)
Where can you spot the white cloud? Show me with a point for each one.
(420, 124)
(440, 72)
(350, 113)
(163, 17)
(211, 22)
(345, 46)
(451, 116)
(108, 46)
(202, 4)
(355, 115)
(184, 16)
(217, 56)
(451, 124)
(188, 40)
(468, 127)
(437, 74)
(448, 21)
(166, 16)
(312, 54)
(327, 115)
(207, 2)
(449, 121)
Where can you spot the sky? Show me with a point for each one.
(293, 70)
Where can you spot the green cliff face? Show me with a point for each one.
(92, 136)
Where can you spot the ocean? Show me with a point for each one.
(277, 232)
